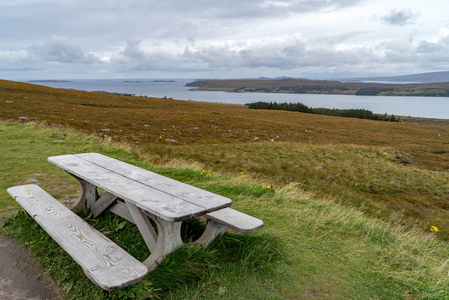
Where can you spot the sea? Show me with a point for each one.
(425, 107)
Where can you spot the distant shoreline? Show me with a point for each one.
(427, 121)
(305, 86)
(49, 81)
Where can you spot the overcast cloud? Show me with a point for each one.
(62, 39)
(400, 18)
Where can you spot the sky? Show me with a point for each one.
(317, 39)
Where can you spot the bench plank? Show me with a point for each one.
(154, 201)
(105, 263)
(235, 220)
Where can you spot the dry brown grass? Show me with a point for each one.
(353, 160)
(142, 120)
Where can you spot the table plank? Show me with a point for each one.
(160, 204)
(164, 184)
(156, 202)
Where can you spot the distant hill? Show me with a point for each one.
(431, 77)
(305, 86)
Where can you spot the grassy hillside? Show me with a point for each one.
(310, 246)
(353, 199)
(383, 168)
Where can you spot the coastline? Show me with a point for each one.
(426, 121)
(427, 107)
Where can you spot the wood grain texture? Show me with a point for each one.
(105, 263)
(236, 220)
(158, 182)
(125, 181)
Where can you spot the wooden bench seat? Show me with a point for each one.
(235, 220)
(218, 220)
(105, 263)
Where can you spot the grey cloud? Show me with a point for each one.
(105, 24)
(435, 55)
(253, 9)
(184, 28)
(290, 53)
(17, 62)
(133, 57)
(284, 53)
(133, 51)
(399, 18)
(435, 47)
(336, 38)
(61, 51)
(137, 37)
(231, 9)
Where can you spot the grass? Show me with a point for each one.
(310, 246)
(370, 178)
(152, 121)
(348, 215)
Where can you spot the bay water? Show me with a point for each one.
(426, 107)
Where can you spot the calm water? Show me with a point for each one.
(428, 107)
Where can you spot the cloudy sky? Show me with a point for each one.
(64, 39)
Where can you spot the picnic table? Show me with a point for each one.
(139, 196)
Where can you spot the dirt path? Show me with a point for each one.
(20, 277)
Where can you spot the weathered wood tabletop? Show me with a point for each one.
(161, 196)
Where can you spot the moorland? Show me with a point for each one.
(306, 86)
(352, 201)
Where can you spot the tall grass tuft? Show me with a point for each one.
(249, 253)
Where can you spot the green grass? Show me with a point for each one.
(370, 178)
(311, 245)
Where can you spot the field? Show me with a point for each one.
(353, 200)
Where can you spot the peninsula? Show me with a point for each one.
(306, 86)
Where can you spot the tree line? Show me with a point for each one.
(348, 113)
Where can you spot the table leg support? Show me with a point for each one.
(88, 195)
(213, 230)
(144, 226)
(168, 240)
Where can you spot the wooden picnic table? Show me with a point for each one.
(139, 196)
(166, 201)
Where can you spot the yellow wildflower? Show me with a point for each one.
(433, 228)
